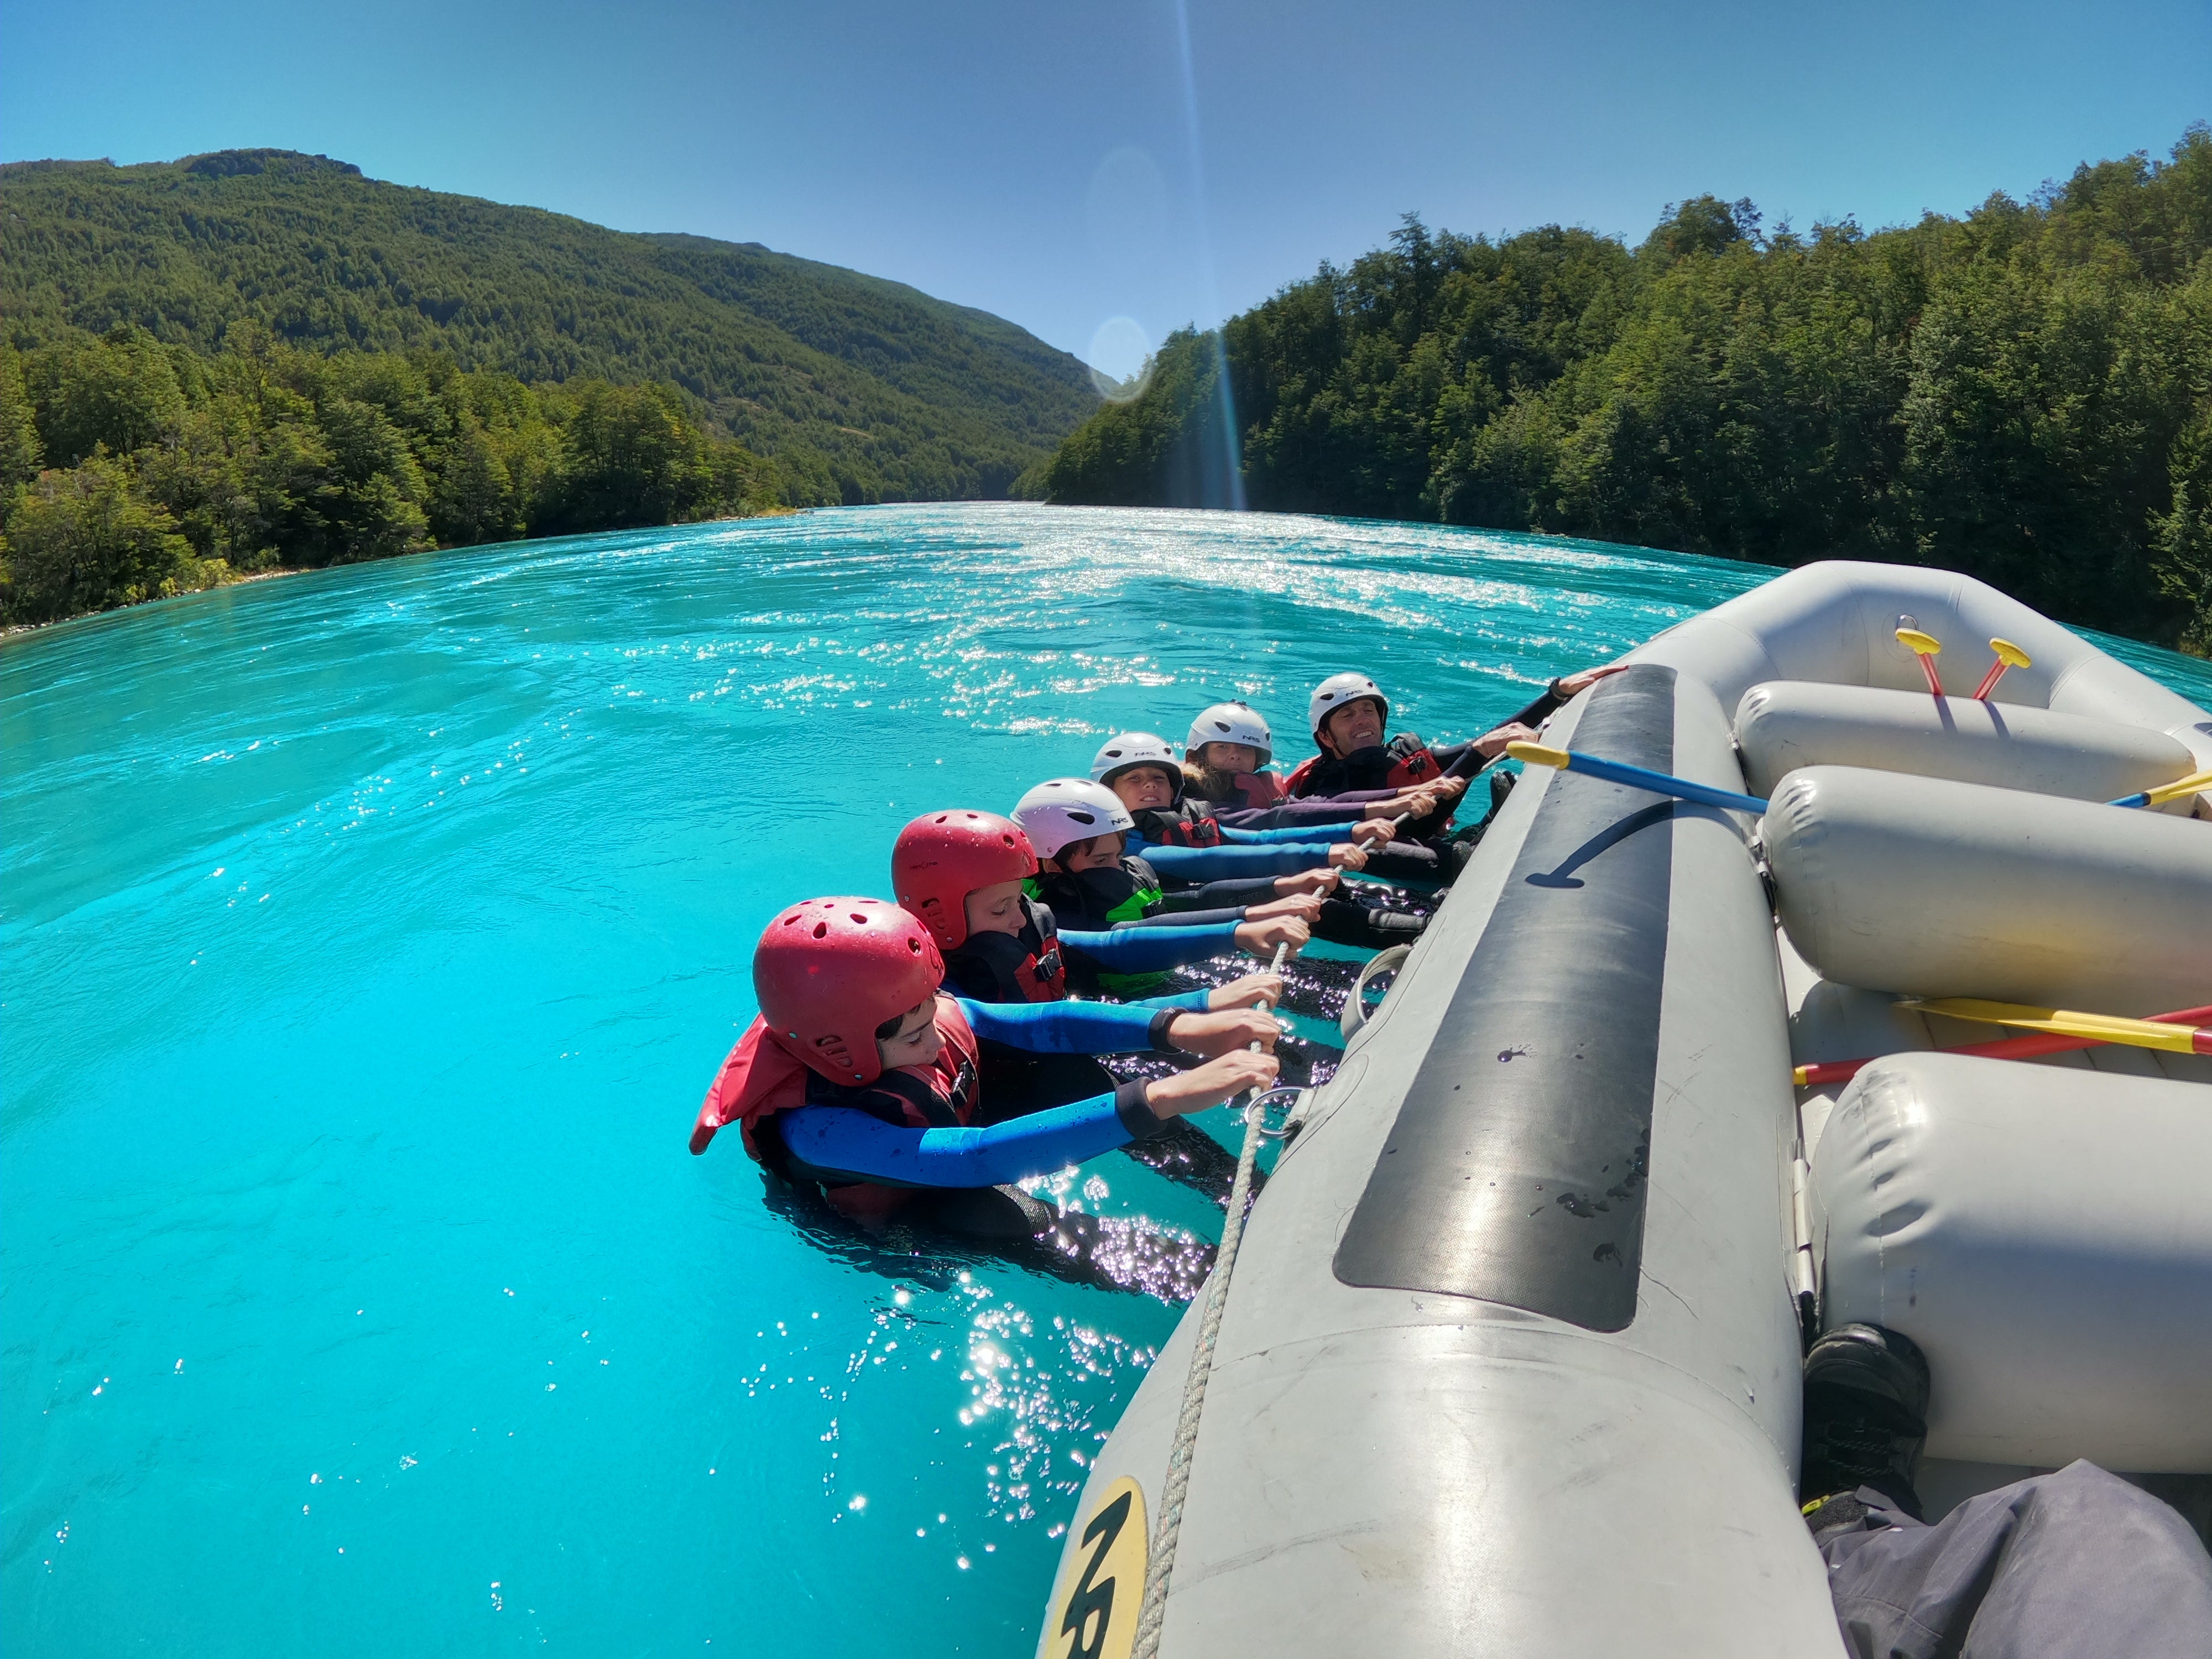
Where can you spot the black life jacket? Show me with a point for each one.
(1099, 898)
(1023, 967)
(1400, 763)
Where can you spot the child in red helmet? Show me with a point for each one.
(858, 1077)
(963, 874)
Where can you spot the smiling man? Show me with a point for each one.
(1350, 718)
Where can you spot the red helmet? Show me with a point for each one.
(941, 858)
(830, 971)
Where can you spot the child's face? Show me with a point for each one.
(915, 1043)
(1357, 725)
(996, 909)
(1099, 853)
(1229, 757)
(1144, 788)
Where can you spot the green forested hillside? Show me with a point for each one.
(2024, 393)
(863, 389)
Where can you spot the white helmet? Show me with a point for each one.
(1128, 748)
(1066, 810)
(1337, 690)
(1231, 722)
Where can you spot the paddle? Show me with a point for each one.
(2008, 656)
(2068, 1021)
(1636, 777)
(2019, 1048)
(2167, 792)
(1925, 646)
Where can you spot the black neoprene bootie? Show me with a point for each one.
(1388, 928)
(1866, 1415)
(1343, 922)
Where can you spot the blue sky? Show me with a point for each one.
(1066, 164)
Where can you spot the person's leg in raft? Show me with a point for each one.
(2058, 1566)
(1406, 861)
(1020, 1083)
(1083, 1249)
(2072, 1563)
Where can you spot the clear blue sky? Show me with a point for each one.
(1064, 163)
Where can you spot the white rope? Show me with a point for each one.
(1153, 1613)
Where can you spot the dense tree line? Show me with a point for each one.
(865, 390)
(2024, 393)
(130, 469)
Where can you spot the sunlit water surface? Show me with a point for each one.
(370, 938)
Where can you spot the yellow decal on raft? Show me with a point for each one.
(1093, 1614)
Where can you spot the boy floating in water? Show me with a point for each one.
(859, 1080)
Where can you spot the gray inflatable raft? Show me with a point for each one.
(1509, 1363)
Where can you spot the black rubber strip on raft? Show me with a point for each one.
(1515, 1171)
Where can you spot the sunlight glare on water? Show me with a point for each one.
(370, 938)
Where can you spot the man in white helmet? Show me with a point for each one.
(1226, 762)
(1350, 717)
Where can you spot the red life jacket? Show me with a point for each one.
(759, 1079)
(1184, 825)
(1261, 788)
(1410, 762)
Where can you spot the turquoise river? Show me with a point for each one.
(369, 939)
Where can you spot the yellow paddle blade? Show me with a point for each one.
(2010, 655)
(2179, 786)
(2067, 1022)
(1537, 754)
(1925, 645)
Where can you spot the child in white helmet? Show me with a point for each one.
(1094, 868)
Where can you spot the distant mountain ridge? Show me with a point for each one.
(893, 393)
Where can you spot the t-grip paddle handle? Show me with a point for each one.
(1636, 777)
(2008, 656)
(1925, 646)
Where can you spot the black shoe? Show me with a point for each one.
(1388, 928)
(1866, 1415)
(1501, 786)
(1343, 922)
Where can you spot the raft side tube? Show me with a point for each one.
(1423, 1472)
(1925, 887)
(1782, 726)
(2042, 1235)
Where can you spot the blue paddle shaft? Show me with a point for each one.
(1639, 777)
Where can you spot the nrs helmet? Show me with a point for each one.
(828, 971)
(1068, 810)
(938, 859)
(1337, 690)
(1130, 750)
(1231, 722)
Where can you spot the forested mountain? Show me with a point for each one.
(862, 389)
(2024, 393)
